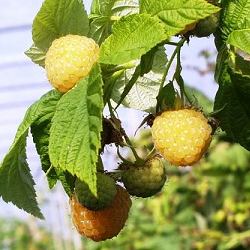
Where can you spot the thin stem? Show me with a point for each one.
(132, 148)
(178, 71)
(124, 66)
(48, 171)
(150, 154)
(179, 45)
(172, 43)
(112, 114)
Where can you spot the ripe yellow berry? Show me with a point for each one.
(181, 136)
(69, 59)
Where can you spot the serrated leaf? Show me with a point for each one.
(36, 54)
(233, 94)
(234, 16)
(16, 183)
(166, 97)
(40, 133)
(143, 94)
(242, 63)
(58, 18)
(67, 180)
(240, 39)
(104, 13)
(177, 14)
(76, 126)
(199, 99)
(147, 61)
(133, 36)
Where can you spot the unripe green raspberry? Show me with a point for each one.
(181, 136)
(69, 59)
(144, 181)
(106, 191)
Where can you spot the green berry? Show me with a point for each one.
(106, 191)
(144, 181)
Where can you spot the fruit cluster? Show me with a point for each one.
(181, 137)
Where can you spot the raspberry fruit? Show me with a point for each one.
(106, 190)
(69, 59)
(103, 224)
(144, 181)
(181, 136)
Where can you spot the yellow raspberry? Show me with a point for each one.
(181, 136)
(69, 59)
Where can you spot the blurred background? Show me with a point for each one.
(206, 208)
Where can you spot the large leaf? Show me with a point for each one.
(76, 126)
(58, 18)
(177, 14)
(132, 37)
(233, 100)
(143, 94)
(235, 16)
(104, 13)
(40, 133)
(240, 39)
(16, 183)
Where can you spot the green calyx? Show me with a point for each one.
(144, 181)
(106, 191)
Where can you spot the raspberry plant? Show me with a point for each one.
(113, 56)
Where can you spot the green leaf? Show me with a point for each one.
(36, 54)
(40, 133)
(104, 13)
(143, 94)
(233, 94)
(16, 183)
(240, 39)
(242, 63)
(234, 16)
(147, 61)
(130, 84)
(76, 127)
(166, 97)
(199, 99)
(58, 18)
(67, 180)
(177, 14)
(133, 36)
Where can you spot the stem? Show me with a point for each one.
(179, 45)
(124, 66)
(112, 114)
(180, 82)
(150, 154)
(172, 43)
(48, 171)
(132, 148)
